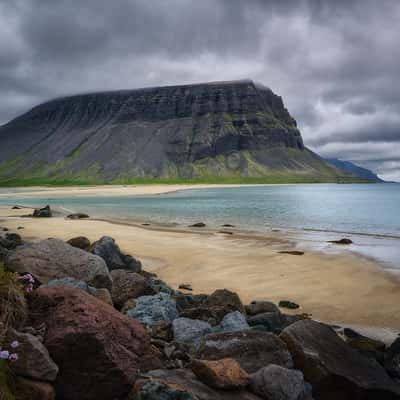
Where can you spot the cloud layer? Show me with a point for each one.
(335, 63)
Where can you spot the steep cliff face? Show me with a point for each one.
(216, 129)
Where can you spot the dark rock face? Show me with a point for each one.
(176, 131)
(335, 370)
(99, 351)
(44, 212)
(392, 359)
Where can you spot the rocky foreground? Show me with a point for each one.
(95, 325)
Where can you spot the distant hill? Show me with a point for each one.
(355, 169)
(221, 131)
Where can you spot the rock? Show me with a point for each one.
(223, 301)
(185, 380)
(128, 305)
(155, 390)
(71, 282)
(20, 227)
(44, 212)
(259, 307)
(3, 253)
(152, 310)
(33, 358)
(341, 241)
(335, 370)
(104, 294)
(277, 383)
(99, 350)
(109, 251)
(392, 359)
(370, 348)
(292, 252)
(190, 331)
(77, 216)
(252, 350)
(271, 321)
(81, 242)
(5, 229)
(220, 374)
(234, 321)
(16, 208)
(128, 285)
(158, 285)
(228, 226)
(10, 241)
(188, 300)
(198, 225)
(163, 331)
(288, 304)
(185, 286)
(226, 232)
(26, 389)
(54, 259)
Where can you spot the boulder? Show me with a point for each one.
(77, 216)
(33, 358)
(44, 212)
(277, 383)
(335, 370)
(370, 348)
(152, 310)
(54, 259)
(99, 350)
(128, 285)
(81, 242)
(190, 331)
(392, 359)
(271, 321)
(27, 389)
(157, 284)
(110, 252)
(260, 307)
(185, 381)
(73, 283)
(288, 304)
(104, 294)
(156, 390)
(225, 300)
(252, 350)
(224, 374)
(234, 321)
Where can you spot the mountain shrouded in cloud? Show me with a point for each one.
(335, 63)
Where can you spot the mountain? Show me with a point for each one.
(355, 169)
(212, 132)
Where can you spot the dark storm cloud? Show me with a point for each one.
(335, 63)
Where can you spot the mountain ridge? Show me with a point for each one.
(225, 130)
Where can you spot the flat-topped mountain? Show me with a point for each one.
(203, 131)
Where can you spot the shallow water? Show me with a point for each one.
(369, 213)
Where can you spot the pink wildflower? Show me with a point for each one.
(4, 354)
(15, 344)
(13, 357)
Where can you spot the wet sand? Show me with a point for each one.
(342, 287)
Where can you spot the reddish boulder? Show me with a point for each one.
(99, 351)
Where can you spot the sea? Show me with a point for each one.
(311, 214)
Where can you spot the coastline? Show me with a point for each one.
(341, 287)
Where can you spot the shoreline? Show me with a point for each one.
(344, 287)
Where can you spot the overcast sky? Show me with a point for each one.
(336, 63)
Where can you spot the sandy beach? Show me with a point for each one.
(343, 287)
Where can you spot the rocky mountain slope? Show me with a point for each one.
(223, 129)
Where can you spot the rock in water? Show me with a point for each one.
(213, 129)
(252, 350)
(54, 259)
(220, 374)
(277, 383)
(44, 212)
(335, 370)
(110, 252)
(99, 351)
(77, 216)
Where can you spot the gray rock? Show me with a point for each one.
(277, 383)
(251, 349)
(156, 390)
(33, 358)
(234, 321)
(152, 310)
(109, 251)
(260, 307)
(128, 285)
(71, 282)
(335, 369)
(271, 321)
(54, 259)
(190, 331)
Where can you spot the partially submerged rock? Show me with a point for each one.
(252, 350)
(224, 374)
(44, 212)
(99, 350)
(198, 225)
(341, 241)
(77, 216)
(288, 304)
(54, 259)
(292, 252)
(110, 252)
(334, 368)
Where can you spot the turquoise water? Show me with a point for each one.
(368, 209)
